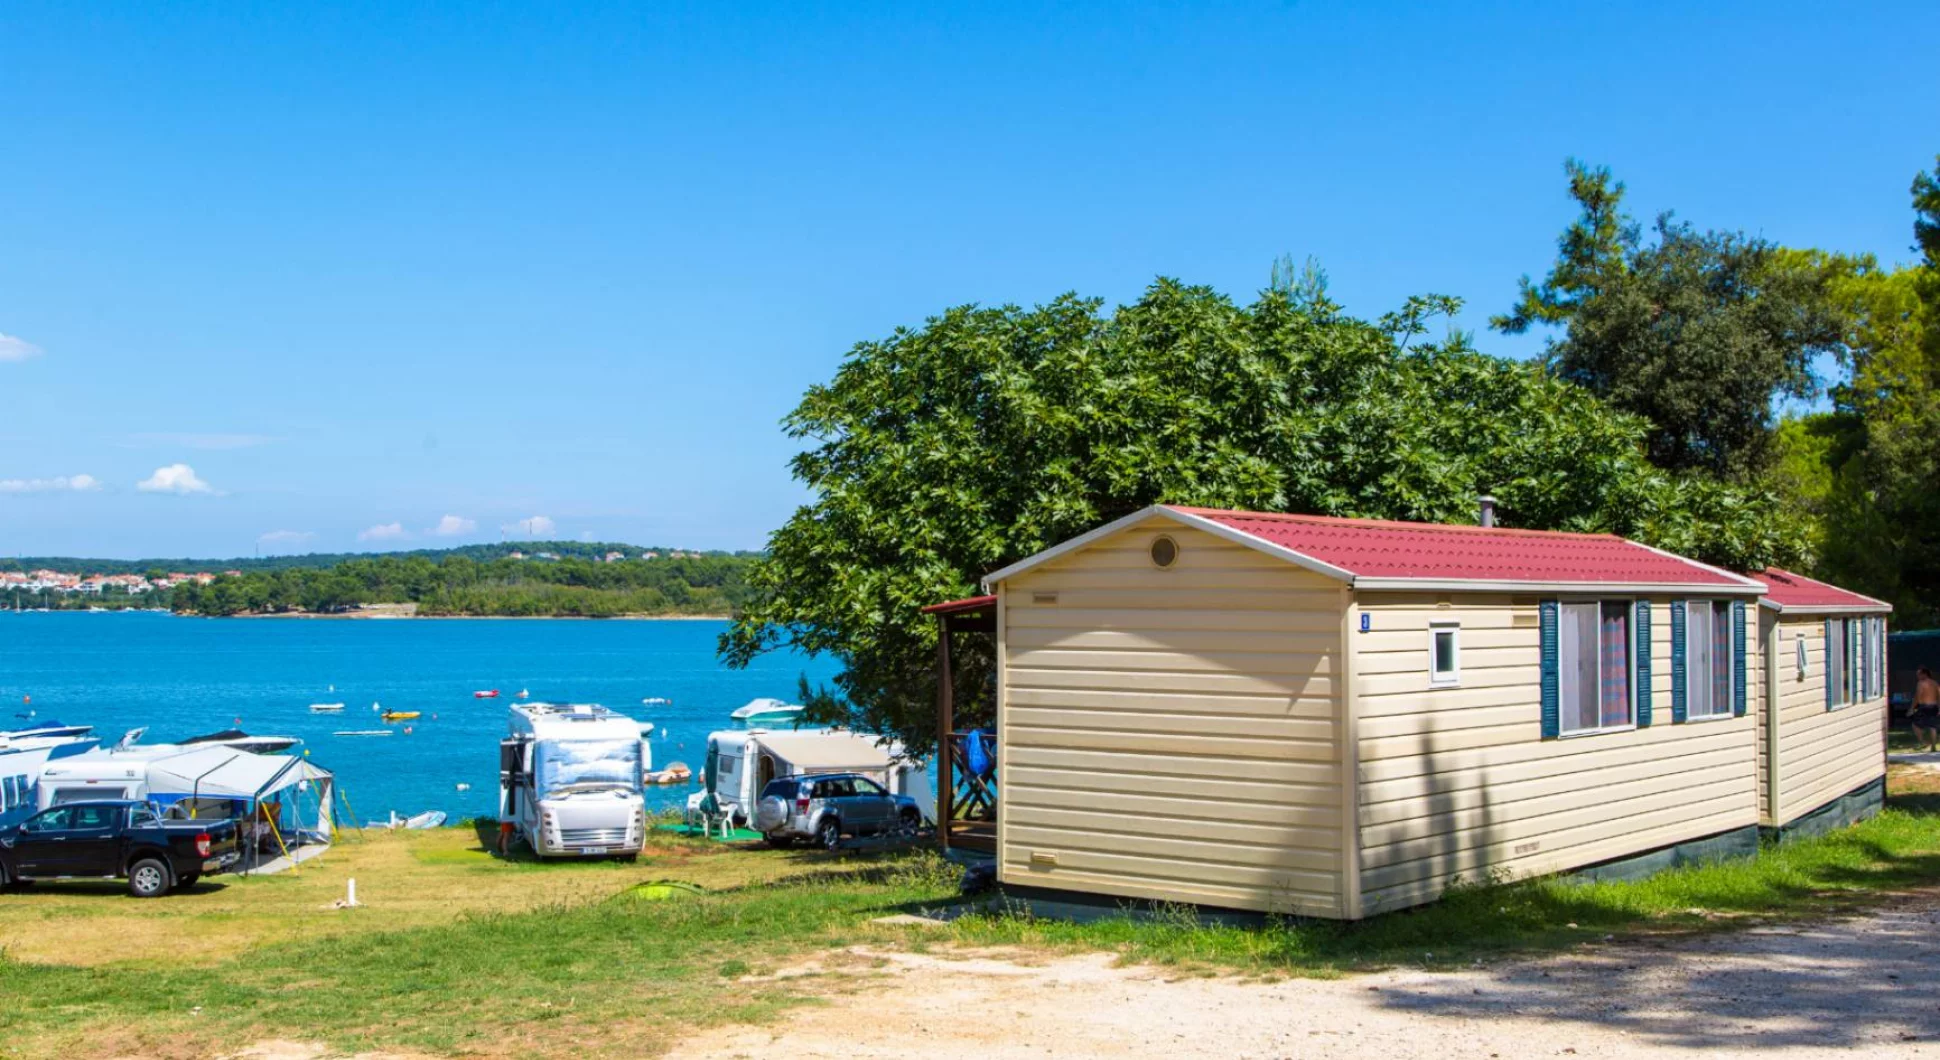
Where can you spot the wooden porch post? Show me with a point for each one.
(945, 723)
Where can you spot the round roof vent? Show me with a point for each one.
(1165, 551)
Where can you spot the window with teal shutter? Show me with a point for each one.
(1643, 663)
(1679, 610)
(1738, 658)
(1829, 670)
(1551, 714)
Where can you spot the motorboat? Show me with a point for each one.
(43, 735)
(365, 732)
(768, 712)
(488, 693)
(326, 708)
(656, 701)
(400, 715)
(242, 741)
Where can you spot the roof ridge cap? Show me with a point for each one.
(1405, 524)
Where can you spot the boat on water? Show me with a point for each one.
(44, 734)
(400, 715)
(488, 693)
(242, 741)
(766, 711)
(675, 773)
(365, 732)
(656, 701)
(326, 708)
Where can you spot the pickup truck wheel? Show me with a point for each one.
(148, 878)
(829, 834)
(908, 822)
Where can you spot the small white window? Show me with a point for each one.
(1444, 654)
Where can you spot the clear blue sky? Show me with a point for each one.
(372, 268)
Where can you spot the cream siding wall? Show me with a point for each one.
(1174, 734)
(1458, 782)
(1822, 754)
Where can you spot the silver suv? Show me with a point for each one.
(827, 807)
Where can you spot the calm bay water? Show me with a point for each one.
(186, 676)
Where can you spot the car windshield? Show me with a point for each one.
(569, 765)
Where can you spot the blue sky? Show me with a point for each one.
(323, 279)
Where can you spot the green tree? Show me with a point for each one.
(943, 452)
(1697, 331)
(1882, 510)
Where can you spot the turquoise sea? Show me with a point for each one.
(185, 676)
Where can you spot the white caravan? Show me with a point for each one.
(569, 780)
(745, 760)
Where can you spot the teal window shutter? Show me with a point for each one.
(1678, 702)
(1552, 710)
(1825, 669)
(1738, 698)
(1642, 631)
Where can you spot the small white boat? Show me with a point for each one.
(427, 819)
(326, 708)
(656, 701)
(767, 712)
(365, 732)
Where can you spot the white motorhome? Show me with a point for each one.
(745, 760)
(569, 780)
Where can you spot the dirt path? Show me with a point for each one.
(1866, 986)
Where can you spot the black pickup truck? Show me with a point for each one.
(116, 838)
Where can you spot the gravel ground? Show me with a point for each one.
(1869, 985)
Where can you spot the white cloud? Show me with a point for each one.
(13, 348)
(537, 526)
(284, 537)
(453, 526)
(202, 441)
(57, 484)
(175, 478)
(384, 532)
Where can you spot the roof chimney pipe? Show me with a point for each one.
(1488, 509)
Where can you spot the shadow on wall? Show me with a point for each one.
(1835, 985)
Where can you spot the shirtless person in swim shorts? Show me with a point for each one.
(1926, 710)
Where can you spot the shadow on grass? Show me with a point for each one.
(106, 889)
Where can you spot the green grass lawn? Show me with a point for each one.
(458, 952)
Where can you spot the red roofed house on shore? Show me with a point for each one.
(1825, 724)
(1340, 717)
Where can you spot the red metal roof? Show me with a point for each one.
(957, 607)
(1434, 552)
(1787, 591)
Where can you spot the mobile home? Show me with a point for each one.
(1823, 721)
(1337, 717)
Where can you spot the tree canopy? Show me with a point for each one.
(1880, 508)
(943, 452)
(1697, 331)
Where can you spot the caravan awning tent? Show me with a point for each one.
(225, 773)
(826, 752)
